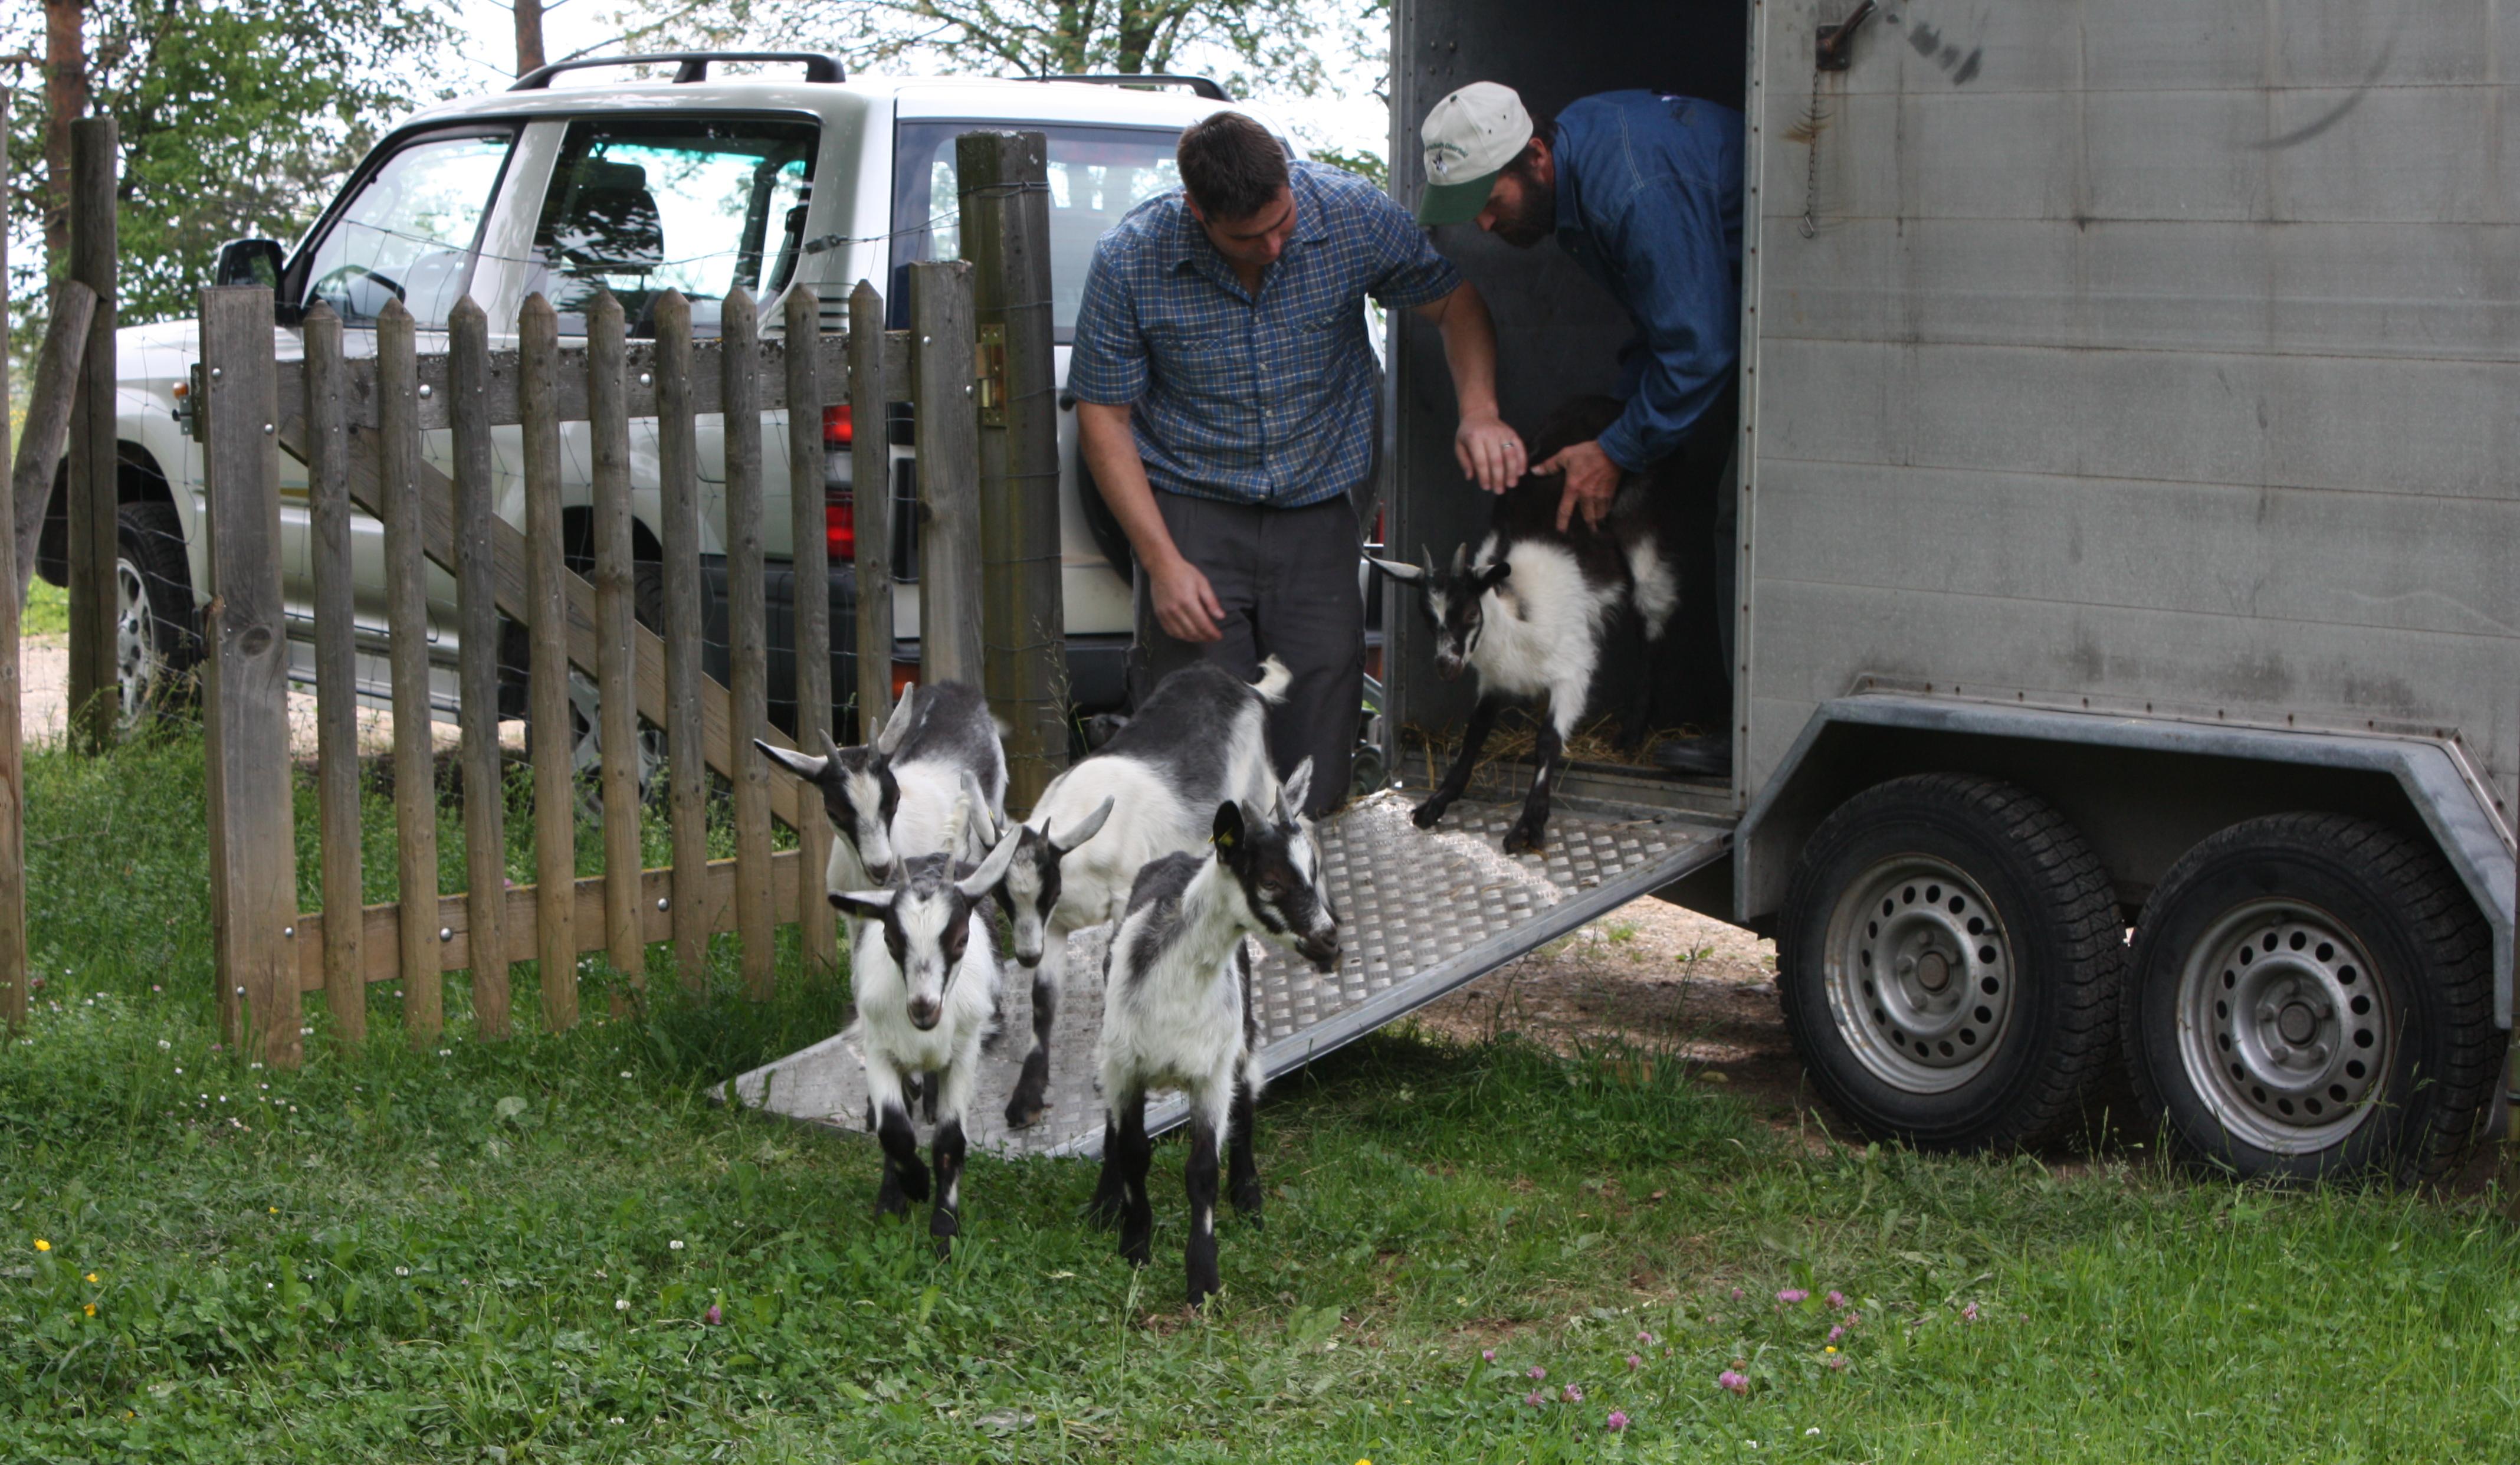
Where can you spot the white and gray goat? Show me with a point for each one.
(1199, 738)
(1177, 1009)
(1533, 609)
(923, 969)
(893, 796)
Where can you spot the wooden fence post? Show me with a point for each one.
(95, 690)
(809, 554)
(949, 488)
(747, 680)
(51, 411)
(420, 939)
(871, 497)
(678, 485)
(554, 786)
(12, 782)
(607, 414)
(254, 852)
(477, 616)
(336, 691)
(1005, 236)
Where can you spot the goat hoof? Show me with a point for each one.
(1024, 1112)
(914, 1185)
(1427, 814)
(1137, 1253)
(891, 1203)
(1527, 836)
(1247, 1200)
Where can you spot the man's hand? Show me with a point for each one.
(1489, 451)
(1592, 482)
(1184, 603)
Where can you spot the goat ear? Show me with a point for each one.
(897, 727)
(1227, 836)
(1407, 574)
(804, 766)
(1086, 829)
(1293, 794)
(993, 869)
(866, 906)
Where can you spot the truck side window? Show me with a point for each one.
(640, 206)
(1096, 174)
(409, 230)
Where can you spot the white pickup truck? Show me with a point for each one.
(697, 184)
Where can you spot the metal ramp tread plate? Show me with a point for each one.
(1420, 912)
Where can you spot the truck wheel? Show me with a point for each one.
(585, 702)
(156, 644)
(2313, 996)
(1949, 963)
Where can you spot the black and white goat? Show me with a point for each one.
(893, 796)
(925, 972)
(1533, 607)
(1177, 1009)
(1200, 738)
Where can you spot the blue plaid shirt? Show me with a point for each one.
(1267, 401)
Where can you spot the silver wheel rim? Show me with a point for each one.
(135, 651)
(586, 749)
(2285, 1033)
(1920, 973)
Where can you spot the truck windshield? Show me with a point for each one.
(409, 230)
(1096, 174)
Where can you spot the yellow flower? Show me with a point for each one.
(274, 1209)
(91, 1276)
(1832, 1347)
(43, 1245)
(91, 1309)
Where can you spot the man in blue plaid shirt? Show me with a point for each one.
(1226, 395)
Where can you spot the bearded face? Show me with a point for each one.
(1522, 209)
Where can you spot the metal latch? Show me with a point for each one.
(1835, 49)
(989, 367)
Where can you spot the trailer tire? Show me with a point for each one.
(1949, 963)
(2361, 1044)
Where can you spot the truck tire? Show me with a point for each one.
(1948, 962)
(2313, 997)
(585, 705)
(157, 636)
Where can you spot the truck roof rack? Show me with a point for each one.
(1199, 86)
(691, 65)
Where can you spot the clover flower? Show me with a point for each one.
(1791, 1295)
(1837, 1332)
(1535, 1399)
(712, 1316)
(1574, 1393)
(1487, 1356)
(1536, 1371)
(1617, 1421)
(1969, 1312)
(1633, 1362)
(1739, 1383)
(1837, 1299)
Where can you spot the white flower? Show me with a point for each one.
(620, 1305)
(674, 1246)
(625, 1073)
(163, 1043)
(402, 1272)
(445, 1052)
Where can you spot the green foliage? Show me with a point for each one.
(48, 610)
(1367, 166)
(509, 1251)
(238, 117)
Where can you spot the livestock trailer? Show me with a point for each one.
(2124, 686)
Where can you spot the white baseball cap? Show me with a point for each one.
(1469, 137)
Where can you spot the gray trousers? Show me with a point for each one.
(1287, 579)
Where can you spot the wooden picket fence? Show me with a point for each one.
(356, 423)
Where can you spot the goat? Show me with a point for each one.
(928, 997)
(1177, 1009)
(1532, 608)
(892, 796)
(1199, 738)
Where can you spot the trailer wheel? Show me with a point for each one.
(1949, 963)
(2313, 996)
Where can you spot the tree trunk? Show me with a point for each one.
(529, 34)
(65, 98)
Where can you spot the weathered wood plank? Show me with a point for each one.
(686, 748)
(747, 639)
(337, 692)
(12, 780)
(547, 629)
(949, 488)
(616, 630)
(811, 558)
(394, 498)
(870, 379)
(95, 688)
(485, 805)
(650, 895)
(831, 355)
(254, 852)
(49, 414)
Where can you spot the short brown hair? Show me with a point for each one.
(1229, 165)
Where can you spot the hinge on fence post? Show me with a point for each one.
(989, 367)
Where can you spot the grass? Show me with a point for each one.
(506, 1251)
(48, 610)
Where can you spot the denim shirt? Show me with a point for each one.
(1649, 204)
(1264, 398)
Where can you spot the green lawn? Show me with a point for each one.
(508, 1252)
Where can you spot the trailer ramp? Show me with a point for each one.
(1420, 912)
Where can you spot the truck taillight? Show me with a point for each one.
(840, 524)
(840, 428)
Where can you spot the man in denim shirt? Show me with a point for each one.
(1226, 404)
(1645, 192)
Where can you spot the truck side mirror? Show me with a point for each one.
(249, 261)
